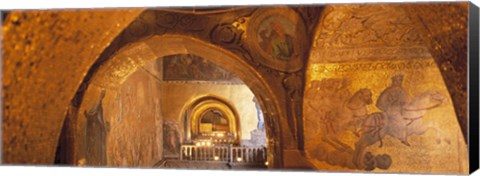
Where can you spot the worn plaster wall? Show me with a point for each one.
(178, 96)
(133, 119)
(362, 47)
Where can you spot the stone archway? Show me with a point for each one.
(114, 71)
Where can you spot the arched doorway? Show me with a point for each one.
(112, 72)
(211, 117)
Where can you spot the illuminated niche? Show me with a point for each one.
(213, 122)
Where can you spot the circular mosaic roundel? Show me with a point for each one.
(277, 38)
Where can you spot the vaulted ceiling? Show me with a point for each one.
(50, 55)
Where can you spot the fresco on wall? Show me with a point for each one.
(171, 138)
(135, 138)
(258, 136)
(275, 37)
(186, 67)
(377, 116)
(260, 118)
(96, 132)
(278, 35)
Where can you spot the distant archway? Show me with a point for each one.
(114, 70)
(194, 111)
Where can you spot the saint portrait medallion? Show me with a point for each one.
(277, 38)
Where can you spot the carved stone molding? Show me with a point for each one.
(225, 34)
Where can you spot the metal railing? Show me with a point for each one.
(248, 154)
(223, 153)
